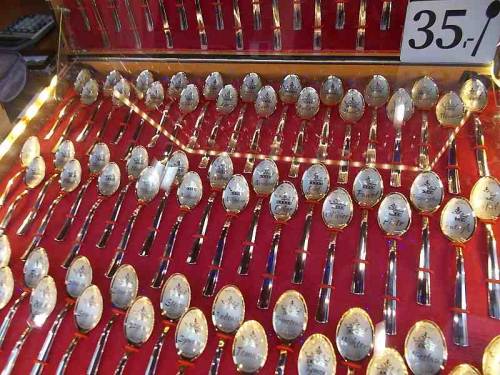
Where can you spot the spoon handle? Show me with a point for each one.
(325, 292)
(88, 125)
(63, 363)
(150, 237)
(73, 211)
(135, 139)
(148, 16)
(343, 175)
(257, 18)
(358, 279)
(300, 259)
(164, 115)
(493, 273)
(37, 238)
(66, 131)
(214, 365)
(8, 187)
(114, 216)
(424, 263)
(254, 147)
(193, 140)
(267, 283)
(4, 328)
(60, 116)
(423, 158)
(276, 26)
(385, 16)
(395, 180)
(211, 142)
(166, 26)
(202, 230)
(453, 175)
(481, 157)
(121, 365)
(103, 127)
(159, 277)
(297, 15)
(16, 350)
(322, 152)
(280, 366)
(340, 16)
(43, 354)
(390, 302)
(101, 26)
(155, 354)
(120, 250)
(371, 150)
(247, 253)
(82, 233)
(213, 274)
(123, 125)
(133, 25)
(95, 361)
(201, 26)
(32, 214)
(278, 134)
(460, 329)
(170, 146)
(298, 149)
(237, 25)
(317, 25)
(10, 210)
(235, 134)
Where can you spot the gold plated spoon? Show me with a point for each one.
(317, 356)
(250, 347)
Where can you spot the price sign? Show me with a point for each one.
(451, 31)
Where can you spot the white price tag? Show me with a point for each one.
(451, 31)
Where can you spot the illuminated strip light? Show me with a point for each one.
(242, 155)
(27, 116)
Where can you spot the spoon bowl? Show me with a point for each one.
(36, 267)
(265, 176)
(88, 309)
(331, 91)
(250, 87)
(290, 89)
(290, 316)
(175, 297)
(317, 356)
(137, 161)
(191, 334)
(250, 347)
(71, 176)
(228, 309)
(377, 91)
(485, 198)
(307, 105)
(474, 95)
(387, 362)
(427, 192)
(491, 366)
(355, 335)
(425, 93)
(213, 84)
(78, 276)
(220, 171)
(5, 250)
(450, 110)
(458, 221)
(29, 150)
(6, 285)
(148, 185)
(35, 172)
(284, 202)
(64, 153)
(108, 181)
(155, 95)
(352, 106)
(123, 287)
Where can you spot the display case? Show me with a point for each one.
(313, 163)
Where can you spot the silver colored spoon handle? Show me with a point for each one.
(219, 16)
(60, 116)
(300, 259)
(155, 354)
(343, 175)
(95, 361)
(123, 126)
(317, 25)
(322, 152)
(395, 180)
(213, 274)
(267, 283)
(182, 15)
(202, 230)
(481, 157)
(159, 277)
(166, 26)
(4, 328)
(122, 247)
(8, 187)
(154, 139)
(10, 210)
(102, 27)
(276, 26)
(201, 25)
(114, 216)
(358, 279)
(371, 150)
(170, 146)
(63, 363)
(256, 15)
(148, 16)
(82, 233)
(88, 125)
(297, 15)
(193, 140)
(32, 214)
(254, 147)
(385, 17)
(211, 142)
(298, 150)
(453, 175)
(278, 134)
(66, 131)
(249, 244)
(493, 273)
(390, 302)
(122, 364)
(16, 350)
(73, 211)
(133, 25)
(43, 354)
(83, 14)
(280, 366)
(340, 16)
(37, 238)
(116, 17)
(151, 236)
(423, 157)
(424, 264)
(325, 292)
(237, 25)
(235, 134)
(214, 365)
(460, 328)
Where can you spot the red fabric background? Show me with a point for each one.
(481, 328)
(224, 40)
